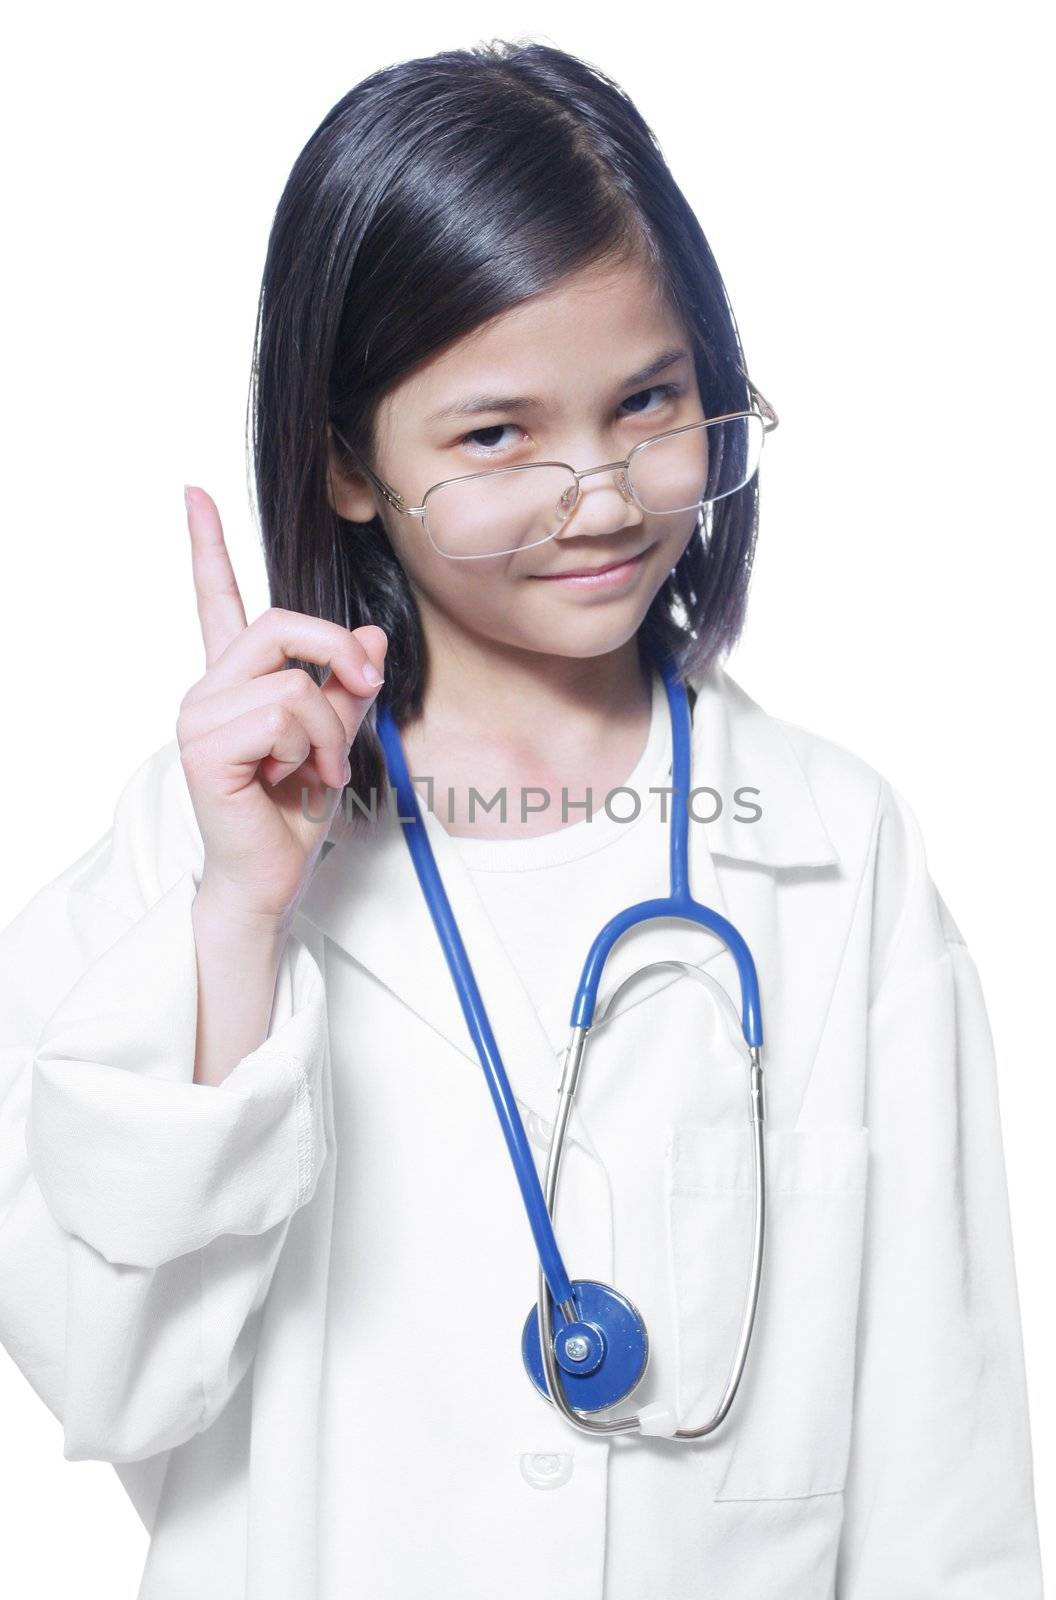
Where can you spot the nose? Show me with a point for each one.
(605, 505)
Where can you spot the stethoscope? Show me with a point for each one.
(594, 1351)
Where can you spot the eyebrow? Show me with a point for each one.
(474, 404)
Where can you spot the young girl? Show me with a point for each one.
(262, 1243)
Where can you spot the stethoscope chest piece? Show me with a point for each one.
(601, 1355)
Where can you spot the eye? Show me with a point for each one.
(667, 391)
(487, 447)
(482, 441)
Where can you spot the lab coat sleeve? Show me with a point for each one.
(141, 1214)
(939, 1497)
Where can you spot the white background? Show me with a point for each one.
(872, 182)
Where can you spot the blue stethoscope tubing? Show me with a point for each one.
(600, 1348)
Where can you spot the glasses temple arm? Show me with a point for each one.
(383, 488)
(770, 418)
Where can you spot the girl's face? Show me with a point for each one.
(568, 354)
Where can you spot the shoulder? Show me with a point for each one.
(855, 800)
(873, 827)
(152, 841)
(843, 782)
(822, 802)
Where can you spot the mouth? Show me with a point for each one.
(610, 575)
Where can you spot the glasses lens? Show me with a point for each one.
(498, 512)
(698, 465)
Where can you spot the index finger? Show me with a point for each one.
(221, 613)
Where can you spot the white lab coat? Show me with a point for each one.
(288, 1308)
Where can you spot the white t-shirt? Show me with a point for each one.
(549, 896)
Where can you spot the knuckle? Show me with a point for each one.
(279, 720)
(296, 683)
(191, 758)
(189, 698)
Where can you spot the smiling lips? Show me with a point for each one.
(613, 570)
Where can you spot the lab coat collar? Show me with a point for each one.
(365, 895)
(738, 747)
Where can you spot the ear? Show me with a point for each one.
(351, 493)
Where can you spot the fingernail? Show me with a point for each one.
(371, 673)
(188, 496)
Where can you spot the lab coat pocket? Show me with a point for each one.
(787, 1432)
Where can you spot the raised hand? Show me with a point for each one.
(254, 735)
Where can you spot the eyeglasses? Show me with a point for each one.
(504, 509)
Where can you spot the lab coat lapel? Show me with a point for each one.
(742, 763)
(365, 894)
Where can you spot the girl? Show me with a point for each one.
(262, 1245)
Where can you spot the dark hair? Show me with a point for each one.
(435, 195)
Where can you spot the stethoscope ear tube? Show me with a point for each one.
(473, 1009)
(598, 1350)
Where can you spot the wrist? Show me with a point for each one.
(216, 911)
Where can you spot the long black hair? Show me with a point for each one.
(435, 195)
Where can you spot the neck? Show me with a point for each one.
(479, 684)
(498, 715)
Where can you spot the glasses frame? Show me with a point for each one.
(762, 408)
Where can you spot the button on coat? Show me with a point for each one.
(288, 1307)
